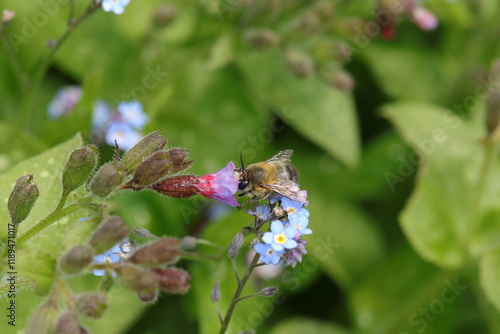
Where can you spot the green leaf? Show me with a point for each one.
(320, 113)
(420, 297)
(38, 266)
(489, 273)
(408, 72)
(437, 218)
(46, 169)
(306, 325)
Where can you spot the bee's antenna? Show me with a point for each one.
(241, 159)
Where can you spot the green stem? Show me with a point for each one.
(198, 256)
(237, 293)
(50, 219)
(14, 62)
(478, 194)
(45, 64)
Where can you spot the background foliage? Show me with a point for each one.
(406, 220)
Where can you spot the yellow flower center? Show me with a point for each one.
(280, 238)
(291, 211)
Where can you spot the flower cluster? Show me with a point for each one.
(284, 240)
(122, 125)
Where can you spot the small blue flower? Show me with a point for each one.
(274, 198)
(110, 256)
(101, 114)
(133, 114)
(125, 136)
(268, 253)
(115, 6)
(280, 237)
(261, 211)
(113, 255)
(64, 102)
(297, 214)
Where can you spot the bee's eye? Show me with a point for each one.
(243, 184)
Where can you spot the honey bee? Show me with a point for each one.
(274, 175)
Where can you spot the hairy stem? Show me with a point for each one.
(47, 221)
(237, 293)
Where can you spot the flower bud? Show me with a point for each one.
(141, 232)
(153, 169)
(177, 156)
(68, 324)
(235, 245)
(80, 164)
(269, 291)
(164, 15)
(42, 320)
(261, 38)
(76, 259)
(188, 242)
(7, 15)
(161, 252)
(148, 297)
(181, 186)
(91, 304)
(215, 293)
(111, 232)
(174, 280)
(493, 101)
(109, 177)
(22, 198)
(299, 63)
(140, 152)
(339, 79)
(278, 211)
(143, 281)
(493, 112)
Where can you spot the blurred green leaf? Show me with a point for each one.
(420, 297)
(211, 114)
(320, 113)
(489, 272)
(437, 218)
(306, 325)
(409, 72)
(18, 146)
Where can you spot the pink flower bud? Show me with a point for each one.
(174, 280)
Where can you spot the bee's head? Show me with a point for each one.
(242, 174)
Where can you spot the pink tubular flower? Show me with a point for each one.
(220, 186)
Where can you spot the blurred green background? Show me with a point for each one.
(360, 112)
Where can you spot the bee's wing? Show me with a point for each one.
(288, 189)
(281, 156)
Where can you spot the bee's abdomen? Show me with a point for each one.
(287, 172)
